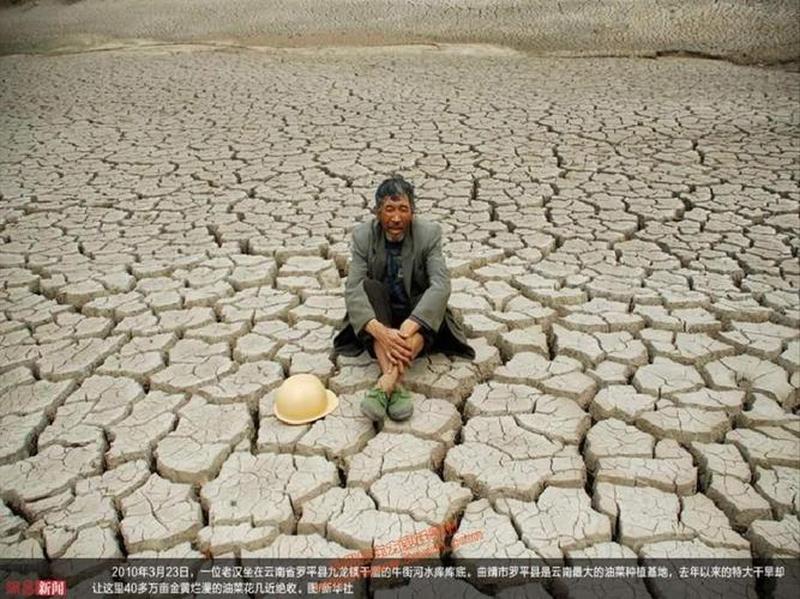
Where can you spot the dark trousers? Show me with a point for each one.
(386, 314)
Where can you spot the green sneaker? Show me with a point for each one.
(373, 406)
(401, 406)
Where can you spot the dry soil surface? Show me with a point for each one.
(622, 236)
(748, 32)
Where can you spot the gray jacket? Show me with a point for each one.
(426, 280)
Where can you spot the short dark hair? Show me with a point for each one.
(394, 186)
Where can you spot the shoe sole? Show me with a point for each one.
(402, 416)
(375, 417)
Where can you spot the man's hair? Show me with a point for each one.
(394, 186)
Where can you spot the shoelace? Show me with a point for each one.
(379, 395)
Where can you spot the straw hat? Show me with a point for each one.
(303, 398)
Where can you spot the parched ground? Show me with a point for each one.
(762, 31)
(623, 241)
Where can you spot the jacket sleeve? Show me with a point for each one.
(359, 308)
(432, 305)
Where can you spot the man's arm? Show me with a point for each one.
(359, 309)
(432, 306)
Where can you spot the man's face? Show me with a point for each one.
(395, 217)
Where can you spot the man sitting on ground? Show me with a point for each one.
(396, 297)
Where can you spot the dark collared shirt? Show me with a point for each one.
(394, 276)
(394, 279)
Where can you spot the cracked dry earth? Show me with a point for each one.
(622, 237)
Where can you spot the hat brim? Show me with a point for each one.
(333, 403)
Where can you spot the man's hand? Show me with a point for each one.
(409, 328)
(397, 348)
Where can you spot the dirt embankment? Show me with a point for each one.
(766, 31)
